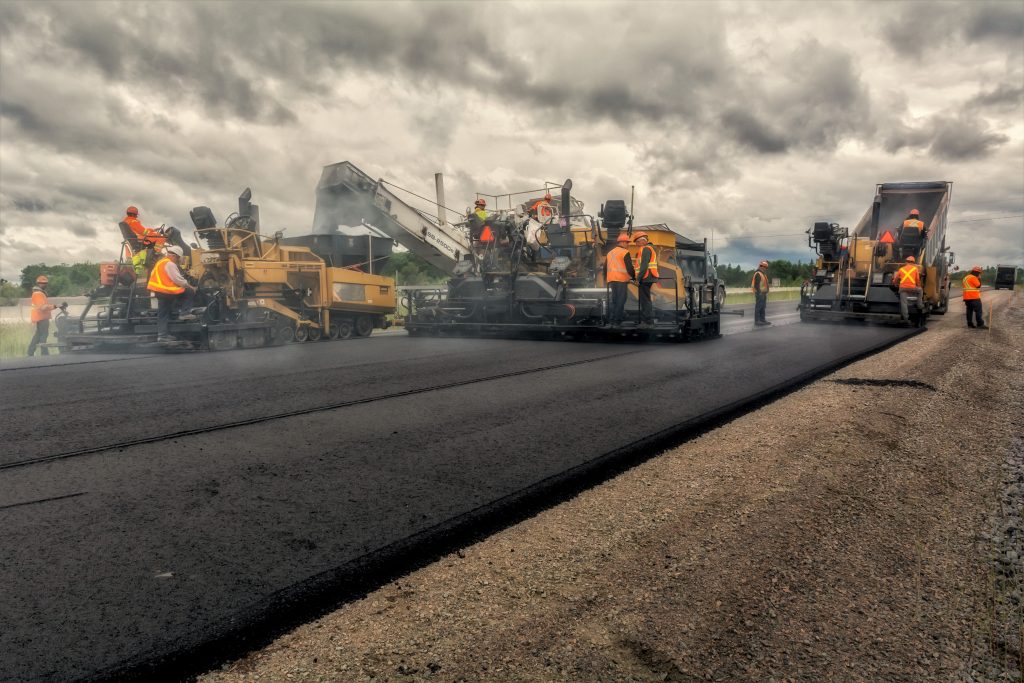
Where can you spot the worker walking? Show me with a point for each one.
(619, 272)
(972, 299)
(172, 291)
(759, 286)
(146, 236)
(40, 316)
(646, 276)
(908, 279)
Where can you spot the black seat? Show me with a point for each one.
(133, 241)
(909, 242)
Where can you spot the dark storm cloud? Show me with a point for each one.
(29, 205)
(750, 131)
(918, 27)
(954, 137)
(1005, 97)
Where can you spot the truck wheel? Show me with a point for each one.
(315, 333)
(345, 329)
(721, 297)
(301, 333)
(364, 326)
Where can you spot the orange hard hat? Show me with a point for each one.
(639, 235)
(976, 269)
(132, 211)
(911, 259)
(915, 212)
(481, 202)
(42, 280)
(623, 237)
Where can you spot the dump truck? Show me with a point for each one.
(1006, 277)
(541, 276)
(853, 275)
(252, 290)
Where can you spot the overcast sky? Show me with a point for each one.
(739, 119)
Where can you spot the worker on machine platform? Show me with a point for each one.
(172, 291)
(908, 279)
(619, 272)
(40, 316)
(914, 221)
(972, 299)
(146, 236)
(759, 286)
(646, 275)
(542, 209)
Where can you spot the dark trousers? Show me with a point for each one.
(760, 306)
(41, 335)
(646, 303)
(617, 304)
(973, 308)
(166, 305)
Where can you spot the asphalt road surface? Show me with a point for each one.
(151, 505)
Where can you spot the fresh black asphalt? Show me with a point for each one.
(260, 478)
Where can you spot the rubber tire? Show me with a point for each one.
(364, 326)
(285, 334)
(345, 329)
(315, 334)
(301, 333)
(332, 331)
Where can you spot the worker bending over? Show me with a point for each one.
(172, 291)
(972, 298)
(759, 286)
(40, 316)
(908, 279)
(618, 273)
(646, 276)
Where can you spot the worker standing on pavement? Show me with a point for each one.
(40, 316)
(908, 279)
(759, 286)
(147, 236)
(619, 272)
(172, 291)
(646, 276)
(972, 298)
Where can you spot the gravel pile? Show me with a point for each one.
(865, 527)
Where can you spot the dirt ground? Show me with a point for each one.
(865, 527)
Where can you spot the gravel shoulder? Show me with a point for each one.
(864, 527)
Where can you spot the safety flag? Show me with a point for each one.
(887, 238)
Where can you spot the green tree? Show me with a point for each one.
(65, 280)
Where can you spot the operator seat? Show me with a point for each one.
(909, 242)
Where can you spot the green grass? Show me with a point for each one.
(14, 338)
(734, 297)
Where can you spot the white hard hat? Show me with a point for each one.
(175, 250)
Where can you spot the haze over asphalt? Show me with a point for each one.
(126, 556)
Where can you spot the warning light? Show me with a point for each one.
(887, 238)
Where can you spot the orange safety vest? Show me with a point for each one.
(543, 209)
(652, 263)
(616, 262)
(39, 300)
(909, 277)
(160, 281)
(913, 223)
(764, 278)
(972, 288)
(145, 235)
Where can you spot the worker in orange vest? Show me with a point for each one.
(908, 279)
(171, 289)
(619, 271)
(972, 298)
(147, 236)
(759, 286)
(542, 209)
(646, 276)
(40, 316)
(914, 221)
